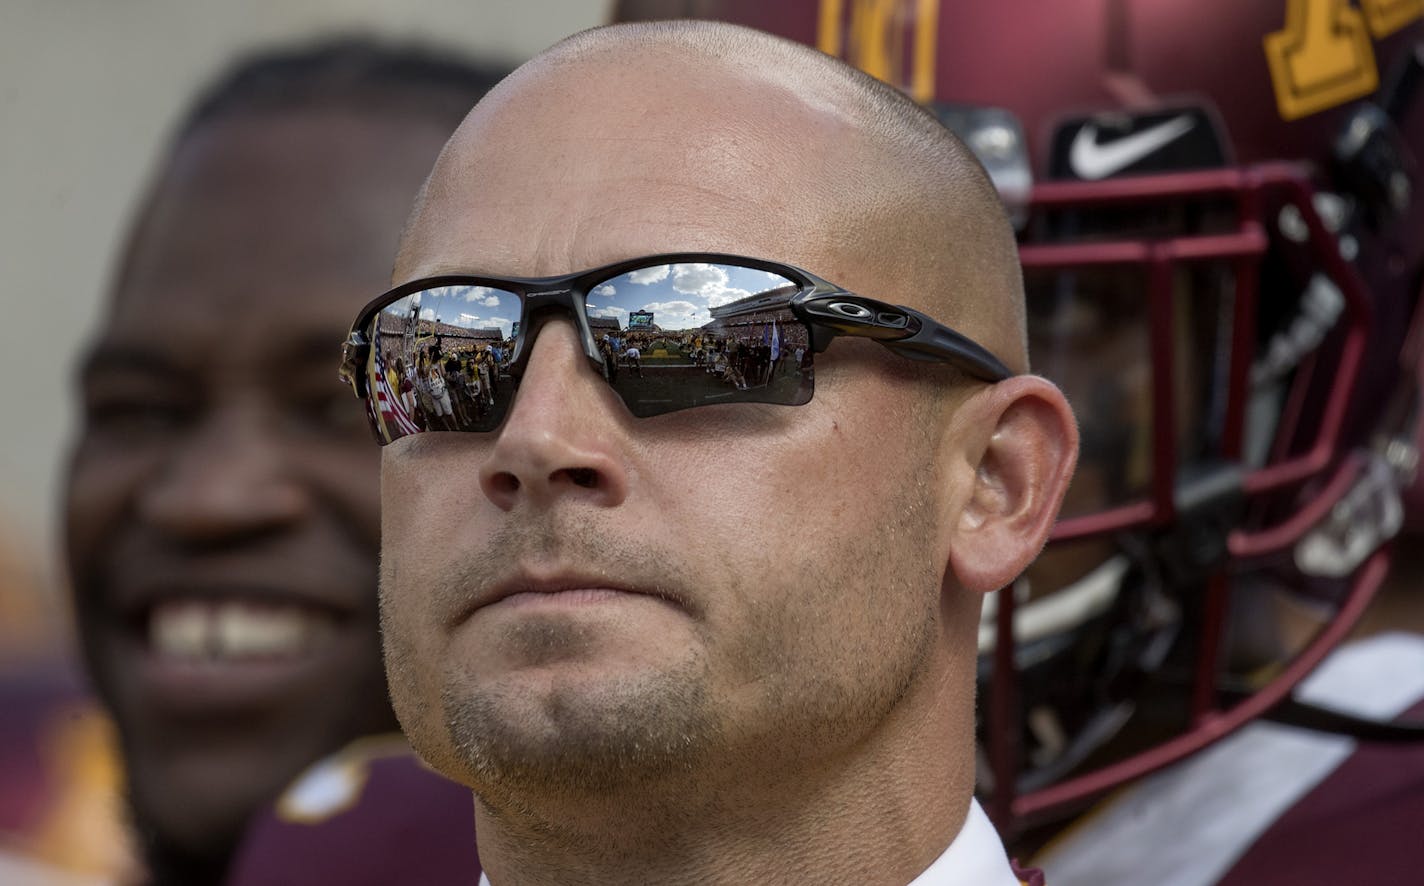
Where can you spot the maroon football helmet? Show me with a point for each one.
(1223, 244)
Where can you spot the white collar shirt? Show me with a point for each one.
(975, 857)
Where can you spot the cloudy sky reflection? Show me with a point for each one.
(679, 296)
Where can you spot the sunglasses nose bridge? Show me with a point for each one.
(542, 305)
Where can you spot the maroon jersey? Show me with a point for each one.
(1362, 824)
(1027, 876)
(1272, 803)
(371, 814)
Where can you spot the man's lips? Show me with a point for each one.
(205, 620)
(128, 595)
(527, 589)
(232, 629)
(206, 657)
(202, 647)
(569, 597)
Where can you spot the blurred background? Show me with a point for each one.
(92, 90)
(89, 93)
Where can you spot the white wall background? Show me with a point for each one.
(88, 92)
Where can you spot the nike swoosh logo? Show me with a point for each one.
(1090, 160)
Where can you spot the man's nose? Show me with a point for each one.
(227, 479)
(564, 435)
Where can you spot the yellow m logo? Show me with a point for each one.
(893, 40)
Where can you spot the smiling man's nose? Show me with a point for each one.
(565, 434)
(229, 478)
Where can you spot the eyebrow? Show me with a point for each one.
(125, 358)
(311, 349)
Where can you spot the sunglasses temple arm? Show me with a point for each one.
(934, 341)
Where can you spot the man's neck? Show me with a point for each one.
(879, 810)
(864, 814)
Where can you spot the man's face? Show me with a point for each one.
(582, 599)
(222, 501)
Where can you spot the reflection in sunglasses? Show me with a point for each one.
(667, 333)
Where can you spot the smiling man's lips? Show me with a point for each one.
(235, 630)
(210, 651)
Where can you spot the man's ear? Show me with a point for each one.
(1022, 472)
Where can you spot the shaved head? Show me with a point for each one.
(827, 167)
(735, 641)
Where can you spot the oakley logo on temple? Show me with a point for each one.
(858, 312)
(667, 332)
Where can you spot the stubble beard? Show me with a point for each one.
(581, 741)
(668, 732)
(576, 737)
(667, 736)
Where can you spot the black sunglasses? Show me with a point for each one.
(667, 332)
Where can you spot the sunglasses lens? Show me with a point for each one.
(438, 360)
(674, 336)
(670, 336)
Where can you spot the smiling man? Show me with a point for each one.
(670, 629)
(223, 496)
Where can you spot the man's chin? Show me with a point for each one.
(584, 734)
(200, 807)
(193, 790)
(182, 839)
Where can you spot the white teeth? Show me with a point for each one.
(234, 631)
(182, 630)
(243, 631)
